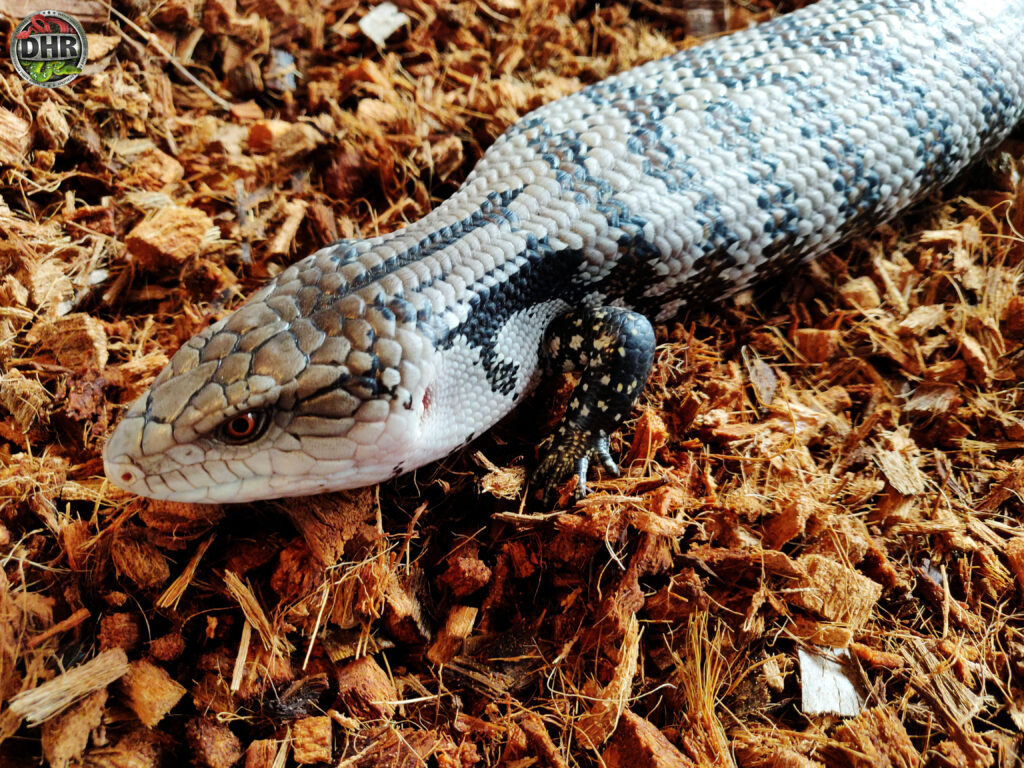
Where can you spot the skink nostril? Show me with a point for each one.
(123, 473)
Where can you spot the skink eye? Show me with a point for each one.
(242, 427)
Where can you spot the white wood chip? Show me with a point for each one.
(382, 22)
(827, 686)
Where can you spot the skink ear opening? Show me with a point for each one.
(428, 399)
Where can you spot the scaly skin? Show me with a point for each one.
(676, 183)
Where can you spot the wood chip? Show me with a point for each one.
(954, 703)
(213, 745)
(448, 642)
(75, 340)
(149, 691)
(254, 612)
(101, 45)
(120, 629)
(921, 320)
(88, 12)
(834, 591)
(295, 212)
(72, 621)
(637, 743)
(65, 736)
(382, 22)
(263, 753)
(876, 658)
(1015, 554)
(877, 737)
(605, 714)
(15, 138)
(540, 740)
(817, 346)
(974, 355)
(465, 575)
(1013, 317)
(404, 616)
(52, 126)
(860, 293)
(826, 685)
(329, 523)
(899, 465)
(154, 170)
(39, 704)
(169, 238)
(176, 13)
(138, 560)
(311, 740)
(366, 689)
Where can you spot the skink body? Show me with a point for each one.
(671, 185)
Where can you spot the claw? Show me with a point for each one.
(603, 452)
(568, 454)
(582, 465)
(609, 465)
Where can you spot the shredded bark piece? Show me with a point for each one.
(39, 704)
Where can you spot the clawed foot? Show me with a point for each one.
(613, 348)
(569, 452)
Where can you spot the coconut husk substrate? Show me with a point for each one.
(814, 555)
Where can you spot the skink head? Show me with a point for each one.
(309, 386)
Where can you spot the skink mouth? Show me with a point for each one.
(123, 472)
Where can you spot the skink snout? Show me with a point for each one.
(119, 463)
(122, 472)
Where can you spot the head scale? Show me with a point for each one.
(309, 386)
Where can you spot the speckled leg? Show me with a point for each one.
(614, 349)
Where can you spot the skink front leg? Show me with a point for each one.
(613, 349)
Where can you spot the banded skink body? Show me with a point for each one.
(668, 186)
